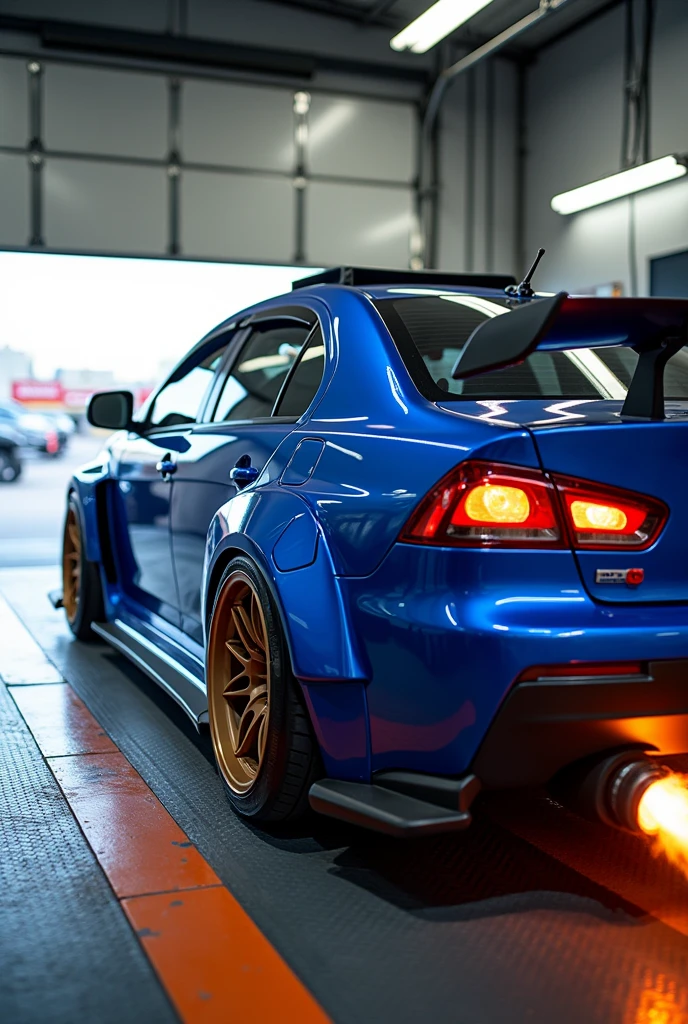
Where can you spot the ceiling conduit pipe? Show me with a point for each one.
(437, 94)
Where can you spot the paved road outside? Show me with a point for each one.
(32, 510)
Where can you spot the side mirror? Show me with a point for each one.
(112, 410)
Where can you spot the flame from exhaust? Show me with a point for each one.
(663, 813)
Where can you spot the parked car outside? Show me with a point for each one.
(41, 433)
(11, 442)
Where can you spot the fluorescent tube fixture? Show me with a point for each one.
(625, 183)
(436, 23)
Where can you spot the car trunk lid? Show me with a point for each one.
(590, 441)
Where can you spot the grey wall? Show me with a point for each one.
(574, 136)
(478, 155)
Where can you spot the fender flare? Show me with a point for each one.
(308, 598)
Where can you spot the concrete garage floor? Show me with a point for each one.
(532, 915)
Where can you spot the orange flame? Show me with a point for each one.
(663, 813)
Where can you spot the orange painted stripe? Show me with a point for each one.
(139, 845)
(213, 961)
(230, 972)
(60, 722)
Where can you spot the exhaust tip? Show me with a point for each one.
(609, 788)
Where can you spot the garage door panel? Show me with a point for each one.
(105, 207)
(14, 200)
(241, 217)
(117, 113)
(345, 136)
(14, 107)
(358, 224)
(237, 126)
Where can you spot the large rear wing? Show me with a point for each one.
(655, 328)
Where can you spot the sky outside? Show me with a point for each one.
(124, 315)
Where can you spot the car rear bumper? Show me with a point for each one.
(545, 724)
(445, 635)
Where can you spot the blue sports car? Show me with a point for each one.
(399, 536)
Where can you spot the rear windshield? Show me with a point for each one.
(431, 331)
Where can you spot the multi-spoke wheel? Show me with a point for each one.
(71, 564)
(261, 734)
(82, 595)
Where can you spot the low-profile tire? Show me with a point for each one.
(262, 738)
(82, 592)
(10, 466)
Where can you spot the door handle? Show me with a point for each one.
(166, 467)
(243, 473)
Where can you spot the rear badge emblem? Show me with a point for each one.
(631, 576)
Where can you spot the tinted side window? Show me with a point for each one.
(305, 380)
(179, 401)
(268, 355)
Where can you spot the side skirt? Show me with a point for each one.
(399, 803)
(181, 685)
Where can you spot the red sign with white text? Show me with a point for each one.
(37, 391)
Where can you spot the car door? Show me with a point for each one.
(243, 424)
(145, 475)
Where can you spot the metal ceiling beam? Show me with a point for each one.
(161, 51)
(579, 23)
(333, 9)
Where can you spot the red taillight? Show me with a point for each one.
(52, 443)
(606, 517)
(486, 504)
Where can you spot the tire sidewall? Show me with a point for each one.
(258, 800)
(8, 460)
(90, 603)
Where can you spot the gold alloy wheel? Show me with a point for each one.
(71, 564)
(239, 682)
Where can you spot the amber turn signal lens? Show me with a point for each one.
(489, 503)
(588, 515)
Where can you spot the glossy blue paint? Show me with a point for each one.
(297, 546)
(447, 632)
(645, 457)
(405, 653)
(201, 485)
(302, 464)
(340, 722)
(321, 639)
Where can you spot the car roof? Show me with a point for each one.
(402, 290)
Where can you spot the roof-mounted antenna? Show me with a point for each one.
(523, 290)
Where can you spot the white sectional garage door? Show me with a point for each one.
(117, 161)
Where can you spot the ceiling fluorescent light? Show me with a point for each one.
(625, 183)
(434, 24)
